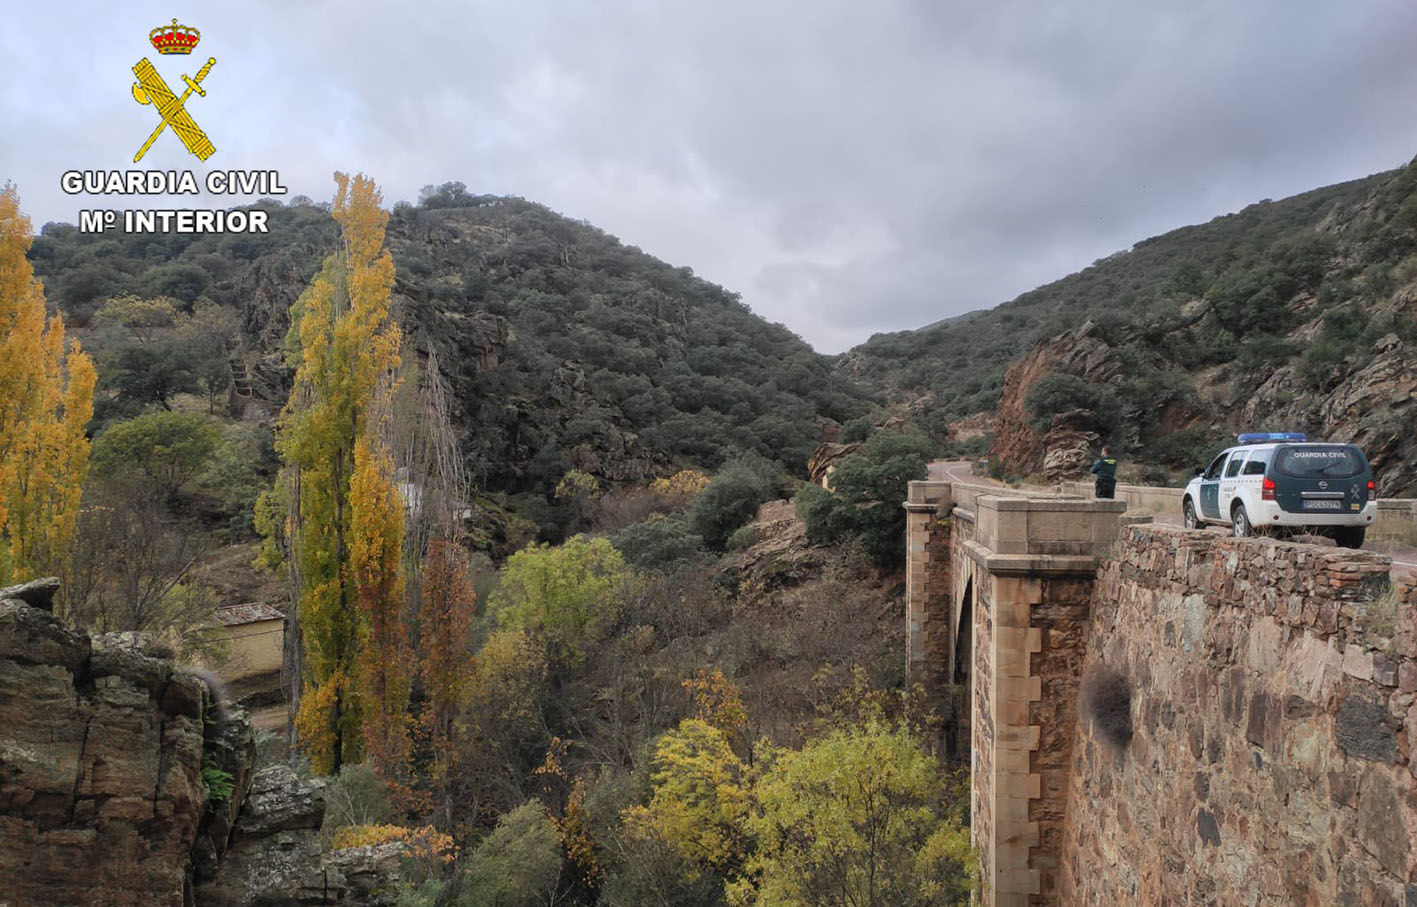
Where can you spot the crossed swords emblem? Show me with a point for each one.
(151, 89)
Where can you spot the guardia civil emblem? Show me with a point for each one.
(151, 89)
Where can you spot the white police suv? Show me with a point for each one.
(1283, 482)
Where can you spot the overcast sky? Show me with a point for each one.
(848, 167)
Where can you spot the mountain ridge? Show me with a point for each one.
(1267, 315)
(564, 348)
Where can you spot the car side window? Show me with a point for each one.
(1255, 466)
(1213, 472)
(1233, 469)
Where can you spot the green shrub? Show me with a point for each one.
(865, 501)
(731, 499)
(518, 864)
(356, 797)
(827, 517)
(856, 430)
(216, 780)
(235, 476)
(164, 450)
(570, 595)
(1061, 393)
(658, 541)
(855, 816)
(1189, 448)
(743, 537)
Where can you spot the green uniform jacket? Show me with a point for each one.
(1105, 468)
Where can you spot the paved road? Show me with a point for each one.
(1404, 558)
(958, 471)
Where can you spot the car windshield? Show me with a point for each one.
(1337, 461)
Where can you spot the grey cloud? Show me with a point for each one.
(848, 167)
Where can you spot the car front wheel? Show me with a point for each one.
(1240, 522)
(1188, 514)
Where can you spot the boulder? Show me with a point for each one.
(38, 593)
(275, 858)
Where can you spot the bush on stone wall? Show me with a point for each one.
(1107, 701)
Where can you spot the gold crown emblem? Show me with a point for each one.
(174, 38)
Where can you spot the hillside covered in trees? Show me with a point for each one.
(550, 625)
(1295, 313)
(563, 348)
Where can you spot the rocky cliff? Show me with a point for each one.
(275, 858)
(1018, 447)
(100, 766)
(1370, 401)
(122, 782)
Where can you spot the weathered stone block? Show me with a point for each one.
(1407, 677)
(1361, 729)
(1380, 825)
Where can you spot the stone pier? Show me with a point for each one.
(998, 599)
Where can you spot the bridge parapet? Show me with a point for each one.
(999, 588)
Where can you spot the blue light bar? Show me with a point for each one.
(1261, 437)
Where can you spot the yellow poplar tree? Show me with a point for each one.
(344, 526)
(46, 401)
(385, 661)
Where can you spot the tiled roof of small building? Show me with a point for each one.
(249, 613)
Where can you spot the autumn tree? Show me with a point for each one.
(385, 674)
(335, 511)
(46, 400)
(445, 627)
(854, 818)
(570, 595)
(438, 583)
(700, 801)
(501, 724)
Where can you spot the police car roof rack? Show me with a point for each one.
(1264, 437)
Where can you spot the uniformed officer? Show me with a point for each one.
(1106, 471)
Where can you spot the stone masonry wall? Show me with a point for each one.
(928, 596)
(981, 767)
(1061, 617)
(1272, 704)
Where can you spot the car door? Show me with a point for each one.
(1210, 487)
(1230, 480)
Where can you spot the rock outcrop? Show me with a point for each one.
(101, 791)
(971, 427)
(1372, 406)
(1070, 447)
(825, 458)
(1018, 448)
(106, 756)
(276, 858)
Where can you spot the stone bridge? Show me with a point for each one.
(1013, 600)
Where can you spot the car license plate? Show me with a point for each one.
(1323, 505)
